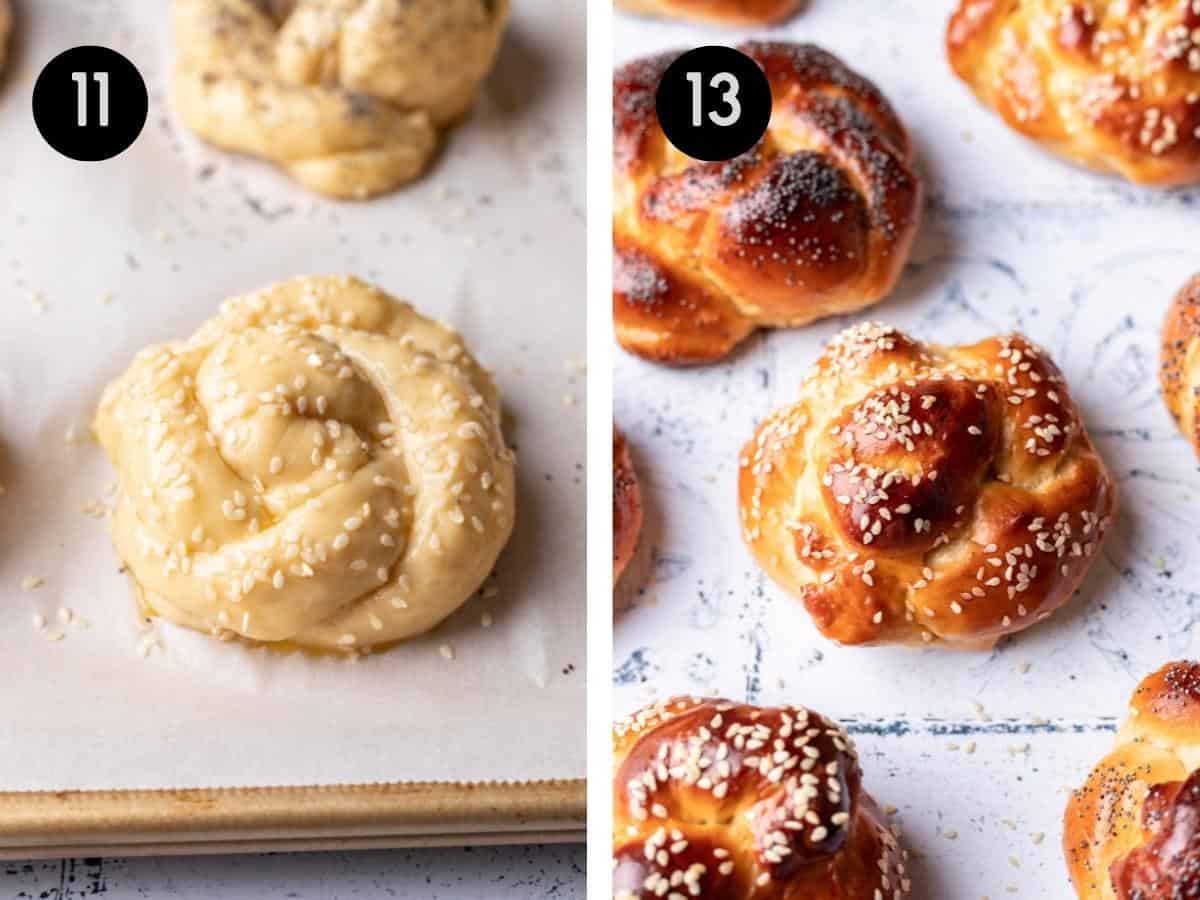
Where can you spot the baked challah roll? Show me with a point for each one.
(925, 491)
(1132, 832)
(1110, 84)
(627, 506)
(1179, 369)
(722, 12)
(318, 464)
(724, 801)
(817, 219)
(345, 95)
(5, 29)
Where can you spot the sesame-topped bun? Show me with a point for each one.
(1132, 832)
(924, 491)
(725, 801)
(722, 12)
(1180, 360)
(346, 96)
(1110, 84)
(5, 28)
(627, 506)
(318, 464)
(817, 219)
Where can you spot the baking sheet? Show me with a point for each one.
(97, 260)
(976, 750)
(245, 820)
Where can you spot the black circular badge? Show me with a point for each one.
(90, 103)
(714, 103)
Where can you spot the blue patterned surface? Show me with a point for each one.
(485, 873)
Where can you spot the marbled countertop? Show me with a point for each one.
(481, 873)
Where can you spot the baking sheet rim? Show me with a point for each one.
(38, 823)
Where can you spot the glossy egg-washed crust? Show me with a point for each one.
(917, 491)
(627, 506)
(5, 28)
(722, 12)
(346, 96)
(727, 801)
(1111, 84)
(1179, 369)
(1132, 832)
(817, 219)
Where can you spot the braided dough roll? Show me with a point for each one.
(627, 506)
(924, 491)
(1179, 370)
(318, 464)
(1110, 84)
(5, 29)
(816, 220)
(346, 95)
(723, 12)
(1132, 832)
(724, 800)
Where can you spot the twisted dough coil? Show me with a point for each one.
(318, 464)
(627, 506)
(1111, 84)
(727, 801)
(345, 95)
(917, 490)
(817, 219)
(1180, 360)
(5, 29)
(1132, 832)
(723, 12)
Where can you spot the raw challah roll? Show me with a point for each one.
(1180, 361)
(346, 95)
(1132, 832)
(1112, 85)
(725, 801)
(318, 464)
(627, 506)
(817, 219)
(723, 12)
(925, 491)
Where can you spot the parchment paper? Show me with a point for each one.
(96, 260)
(975, 750)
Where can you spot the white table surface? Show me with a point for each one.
(976, 751)
(481, 873)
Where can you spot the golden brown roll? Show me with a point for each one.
(924, 491)
(1132, 832)
(5, 29)
(627, 506)
(724, 801)
(318, 464)
(722, 12)
(1179, 371)
(1111, 84)
(346, 96)
(817, 219)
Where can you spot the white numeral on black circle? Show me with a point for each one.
(81, 88)
(722, 80)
